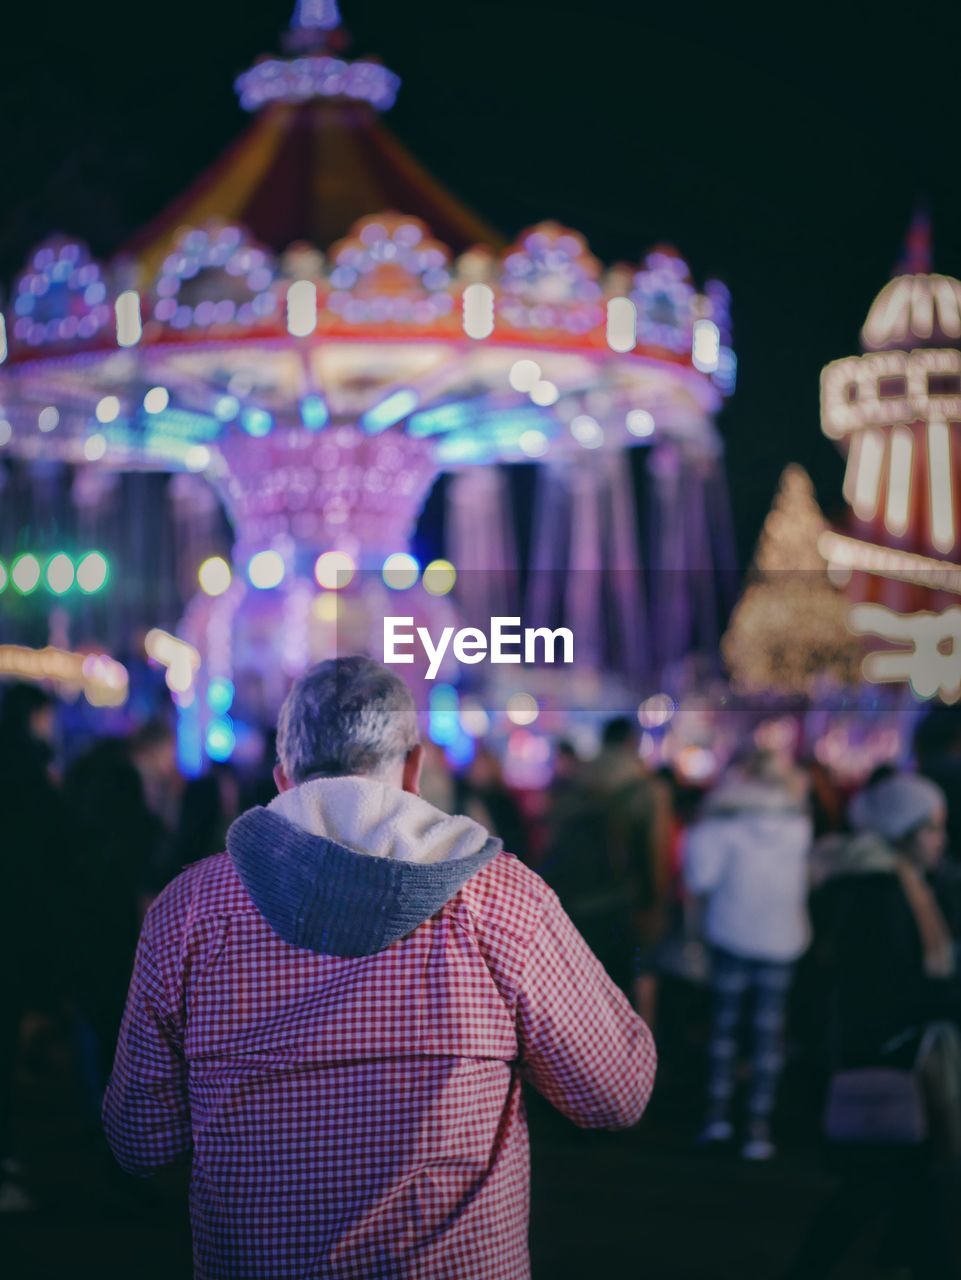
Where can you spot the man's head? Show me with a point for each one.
(348, 717)
(620, 734)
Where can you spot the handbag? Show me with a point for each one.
(902, 1107)
(876, 1106)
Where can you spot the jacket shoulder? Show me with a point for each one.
(505, 903)
(202, 890)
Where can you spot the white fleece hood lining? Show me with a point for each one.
(372, 817)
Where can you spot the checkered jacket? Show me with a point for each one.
(361, 1117)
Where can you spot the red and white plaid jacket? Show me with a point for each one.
(361, 1116)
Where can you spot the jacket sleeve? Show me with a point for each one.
(704, 856)
(145, 1113)
(581, 1044)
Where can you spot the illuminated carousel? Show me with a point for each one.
(280, 338)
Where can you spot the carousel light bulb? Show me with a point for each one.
(156, 399)
(129, 324)
(400, 571)
(92, 572)
(197, 458)
(48, 419)
(390, 411)
(587, 431)
(108, 409)
(25, 573)
(214, 576)
(522, 708)
(524, 375)
(314, 412)
(6, 432)
(95, 447)
(439, 577)
(302, 308)
(534, 443)
(544, 393)
(640, 423)
(478, 311)
(334, 569)
(3, 576)
(226, 407)
(3, 338)
(256, 422)
(705, 346)
(60, 573)
(621, 324)
(266, 570)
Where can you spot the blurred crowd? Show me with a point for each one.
(824, 925)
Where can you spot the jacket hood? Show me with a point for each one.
(348, 866)
(745, 795)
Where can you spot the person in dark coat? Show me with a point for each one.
(33, 896)
(887, 966)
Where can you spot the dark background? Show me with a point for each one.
(782, 148)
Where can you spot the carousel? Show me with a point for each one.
(292, 353)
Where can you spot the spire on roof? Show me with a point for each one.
(918, 253)
(320, 15)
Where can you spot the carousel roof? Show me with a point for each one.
(922, 310)
(280, 290)
(308, 171)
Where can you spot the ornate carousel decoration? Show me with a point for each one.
(318, 330)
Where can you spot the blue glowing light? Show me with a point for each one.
(314, 412)
(389, 411)
(220, 695)
(460, 750)
(443, 721)
(256, 422)
(226, 408)
(190, 751)
(491, 433)
(445, 417)
(220, 738)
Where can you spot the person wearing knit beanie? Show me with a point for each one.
(898, 807)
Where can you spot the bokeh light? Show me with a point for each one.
(266, 570)
(221, 739)
(334, 569)
(95, 447)
(25, 574)
(156, 399)
(60, 573)
(640, 423)
(439, 577)
(214, 576)
(401, 570)
(92, 572)
(220, 695)
(108, 409)
(522, 708)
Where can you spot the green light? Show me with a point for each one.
(59, 573)
(25, 573)
(92, 572)
(3, 576)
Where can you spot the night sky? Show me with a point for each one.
(783, 153)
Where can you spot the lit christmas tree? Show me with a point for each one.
(788, 633)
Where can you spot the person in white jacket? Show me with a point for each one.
(747, 858)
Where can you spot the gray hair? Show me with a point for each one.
(344, 717)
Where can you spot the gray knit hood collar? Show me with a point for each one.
(348, 866)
